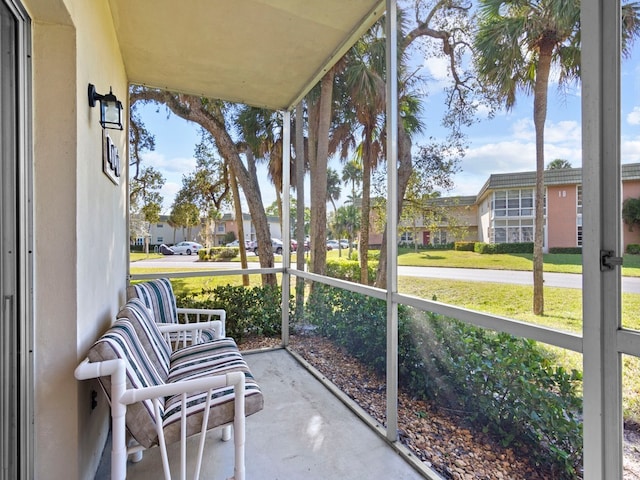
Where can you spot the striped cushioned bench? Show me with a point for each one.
(153, 376)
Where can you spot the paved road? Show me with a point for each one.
(564, 280)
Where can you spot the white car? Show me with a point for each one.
(332, 245)
(186, 248)
(276, 245)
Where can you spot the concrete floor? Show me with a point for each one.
(304, 432)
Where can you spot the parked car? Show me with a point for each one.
(186, 248)
(332, 244)
(276, 245)
(235, 243)
(344, 243)
(165, 250)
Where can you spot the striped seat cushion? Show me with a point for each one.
(121, 341)
(199, 360)
(157, 295)
(152, 340)
(203, 360)
(221, 411)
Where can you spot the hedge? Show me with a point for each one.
(503, 385)
(464, 246)
(349, 270)
(250, 310)
(218, 254)
(566, 250)
(633, 248)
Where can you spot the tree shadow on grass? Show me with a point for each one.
(430, 256)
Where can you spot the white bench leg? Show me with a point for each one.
(226, 433)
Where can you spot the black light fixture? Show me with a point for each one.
(110, 108)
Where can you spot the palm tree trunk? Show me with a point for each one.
(239, 221)
(300, 254)
(319, 177)
(366, 208)
(405, 167)
(541, 88)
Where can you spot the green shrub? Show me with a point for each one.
(485, 248)
(566, 250)
(523, 247)
(633, 248)
(505, 386)
(349, 269)
(223, 254)
(203, 255)
(255, 310)
(464, 246)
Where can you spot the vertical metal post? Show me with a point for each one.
(600, 23)
(392, 219)
(286, 230)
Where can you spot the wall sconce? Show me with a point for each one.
(110, 108)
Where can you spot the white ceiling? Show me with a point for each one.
(266, 53)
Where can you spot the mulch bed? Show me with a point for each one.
(441, 439)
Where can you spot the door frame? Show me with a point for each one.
(21, 300)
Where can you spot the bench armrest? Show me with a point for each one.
(183, 334)
(204, 315)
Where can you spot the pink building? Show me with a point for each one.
(503, 210)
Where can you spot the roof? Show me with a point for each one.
(459, 201)
(560, 176)
(266, 53)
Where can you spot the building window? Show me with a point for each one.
(220, 228)
(579, 215)
(512, 214)
(160, 225)
(579, 199)
(160, 240)
(512, 231)
(579, 230)
(513, 203)
(439, 237)
(406, 237)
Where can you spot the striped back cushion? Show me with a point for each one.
(121, 341)
(150, 337)
(157, 295)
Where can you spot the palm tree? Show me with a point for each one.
(364, 77)
(558, 164)
(333, 187)
(517, 44)
(352, 173)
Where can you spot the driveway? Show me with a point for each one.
(563, 280)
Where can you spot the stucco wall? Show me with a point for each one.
(561, 216)
(630, 189)
(79, 227)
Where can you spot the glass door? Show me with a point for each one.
(15, 322)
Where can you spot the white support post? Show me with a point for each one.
(603, 428)
(392, 219)
(116, 369)
(286, 222)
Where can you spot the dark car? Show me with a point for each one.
(164, 250)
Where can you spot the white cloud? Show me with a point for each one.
(168, 192)
(438, 70)
(633, 117)
(514, 150)
(630, 150)
(168, 166)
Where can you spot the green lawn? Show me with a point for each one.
(561, 263)
(563, 309)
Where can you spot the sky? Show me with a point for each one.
(503, 144)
